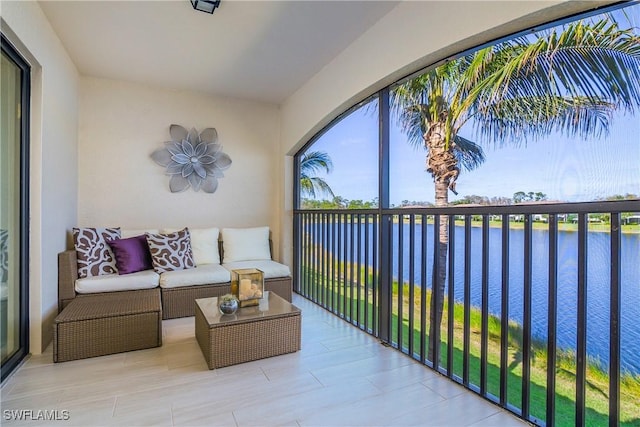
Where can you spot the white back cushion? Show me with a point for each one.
(125, 234)
(204, 244)
(246, 244)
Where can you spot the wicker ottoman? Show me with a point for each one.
(100, 324)
(270, 329)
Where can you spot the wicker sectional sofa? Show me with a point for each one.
(176, 302)
(130, 302)
(178, 289)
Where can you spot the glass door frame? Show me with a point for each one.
(25, 98)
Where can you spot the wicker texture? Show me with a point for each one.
(67, 275)
(281, 286)
(100, 324)
(176, 302)
(180, 302)
(243, 342)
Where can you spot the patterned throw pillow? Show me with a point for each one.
(171, 252)
(95, 257)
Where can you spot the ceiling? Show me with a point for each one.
(258, 50)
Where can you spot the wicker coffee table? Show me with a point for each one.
(269, 329)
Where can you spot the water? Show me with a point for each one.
(598, 282)
(598, 278)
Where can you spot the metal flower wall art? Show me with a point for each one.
(192, 160)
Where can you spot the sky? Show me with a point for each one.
(565, 169)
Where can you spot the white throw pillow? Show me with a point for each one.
(246, 244)
(204, 244)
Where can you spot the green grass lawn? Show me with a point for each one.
(339, 299)
(562, 226)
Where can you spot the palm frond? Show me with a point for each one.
(419, 103)
(584, 60)
(515, 120)
(312, 163)
(413, 121)
(569, 81)
(469, 154)
(315, 187)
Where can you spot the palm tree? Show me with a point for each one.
(310, 164)
(568, 81)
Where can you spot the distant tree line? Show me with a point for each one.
(339, 202)
(628, 196)
(483, 200)
(521, 197)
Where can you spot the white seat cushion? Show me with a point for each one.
(201, 275)
(271, 269)
(147, 279)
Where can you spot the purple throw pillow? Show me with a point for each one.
(132, 254)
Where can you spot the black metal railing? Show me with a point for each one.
(466, 291)
(338, 267)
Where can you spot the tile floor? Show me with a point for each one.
(341, 377)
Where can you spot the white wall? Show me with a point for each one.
(413, 35)
(121, 124)
(53, 144)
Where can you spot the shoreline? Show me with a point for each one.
(562, 226)
(632, 229)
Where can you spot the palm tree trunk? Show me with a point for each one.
(439, 274)
(443, 166)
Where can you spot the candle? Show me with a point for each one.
(245, 287)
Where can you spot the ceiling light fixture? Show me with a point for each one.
(205, 5)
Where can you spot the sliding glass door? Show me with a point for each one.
(14, 185)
